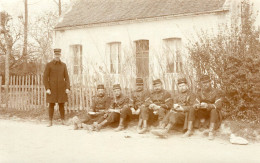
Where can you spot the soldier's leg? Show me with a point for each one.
(165, 126)
(62, 112)
(125, 113)
(191, 119)
(162, 114)
(213, 119)
(51, 111)
(111, 117)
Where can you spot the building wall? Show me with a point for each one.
(94, 41)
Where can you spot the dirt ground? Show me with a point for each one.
(34, 142)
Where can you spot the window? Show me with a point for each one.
(115, 54)
(142, 58)
(77, 59)
(172, 50)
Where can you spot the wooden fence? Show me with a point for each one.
(28, 92)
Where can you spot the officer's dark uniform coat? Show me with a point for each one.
(56, 79)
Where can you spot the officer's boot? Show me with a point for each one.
(120, 126)
(50, 123)
(144, 129)
(189, 131)
(211, 130)
(139, 126)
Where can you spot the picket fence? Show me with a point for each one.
(28, 92)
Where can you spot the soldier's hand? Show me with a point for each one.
(133, 110)
(204, 105)
(105, 115)
(48, 91)
(151, 106)
(67, 91)
(137, 111)
(196, 106)
(157, 107)
(110, 110)
(179, 108)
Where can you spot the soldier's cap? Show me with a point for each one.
(182, 80)
(139, 81)
(204, 79)
(116, 86)
(100, 86)
(57, 50)
(157, 81)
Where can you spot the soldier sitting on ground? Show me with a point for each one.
(183, 101)
(137, 102)
(207, 107)
(119, 110)
(157, 104)
(100, 104)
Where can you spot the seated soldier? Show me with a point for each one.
(183, 101)
(100, 104)
(137, 101)
(157, 104)
(119, 110)
(207, 106)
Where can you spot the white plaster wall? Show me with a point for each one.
(95, 39)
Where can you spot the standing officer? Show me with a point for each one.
(207, 106)
(100, 104)
(158, 103)
(57, 84)
(183, 101)
(119, 110)
(137, 102)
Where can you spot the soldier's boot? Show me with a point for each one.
(188, 133)
(62, 122)
(120, 126)
(211, 130)
(50, 123)
(161, 124)
(144, 129)
(139, 126)
(75, 121)
(163, 131)
(99, 126)
(167, 129)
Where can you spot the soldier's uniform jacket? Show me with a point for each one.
(162, 98)
(120, 102)
(212, 97)
(138, 98)
(100, 103)
(186, 100)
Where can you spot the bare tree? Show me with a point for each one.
(25, 28)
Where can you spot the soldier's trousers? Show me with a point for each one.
(51, 110)
(115, 117)
(174, 118)
(147, 113)
(89, 119)
(212, 115)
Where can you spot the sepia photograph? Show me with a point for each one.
(129, 81)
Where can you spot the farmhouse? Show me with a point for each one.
(125, 39)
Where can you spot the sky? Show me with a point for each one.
(35, 7)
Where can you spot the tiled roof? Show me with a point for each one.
(87, 12)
